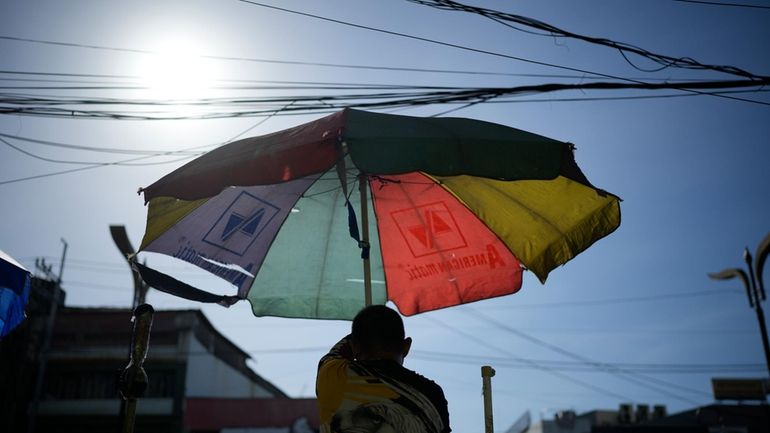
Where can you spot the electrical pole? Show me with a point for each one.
(754, 285)
(43, 356)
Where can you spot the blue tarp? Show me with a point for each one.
(14, 292)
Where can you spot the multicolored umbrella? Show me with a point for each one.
(14, 292)
(451, 211)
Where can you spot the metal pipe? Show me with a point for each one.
(486, 388)
(763, 331)
(133, 380)
(758, 307)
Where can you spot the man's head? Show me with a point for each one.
(378, 333)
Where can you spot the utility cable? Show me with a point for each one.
(611, 301)
(550, 371)
(462, 47)
(257, 60)
(661, 59)
(509, 74)
(620, 373)
(90, 148)
(389, 100)
(62, 112)
(428, 40)
(69, 44)
(91, 163)
(712, 3)
(128, 160)
(587, 367)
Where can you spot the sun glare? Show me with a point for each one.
(176, 72)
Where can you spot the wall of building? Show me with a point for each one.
(256, 415)
(546, 426)
(208, 376)
(569, 422)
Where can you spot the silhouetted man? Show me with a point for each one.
(362, 386)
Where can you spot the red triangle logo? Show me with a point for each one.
(438, 224)
(421, 234)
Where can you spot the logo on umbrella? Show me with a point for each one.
(240, 224)
(429, 229)
(245, 224)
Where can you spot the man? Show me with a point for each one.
(362, 386)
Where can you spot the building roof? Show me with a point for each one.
(78, 327)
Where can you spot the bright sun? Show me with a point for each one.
(176, 72)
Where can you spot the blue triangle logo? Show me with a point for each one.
(233, 224)
(250, 227)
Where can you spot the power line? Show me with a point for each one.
(140, 78)
(462, 47)
(337, 65)
(96, 149)
(658, 368)
(51, 100)
(88, 167)
(72, 112)
(325, 103)
(336, 86)
(712, 3)
(57, 173)
(620, 373)
(624, 48)
(325, 106)
(51, 174)
(428, 40)
(271, 61)
(621, 300)
(92, 164)
(457, 358)
(45, 101)
(124, 150)
(586, 367)
(625, 98)
(550, 371)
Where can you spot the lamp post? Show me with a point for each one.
(755, 288)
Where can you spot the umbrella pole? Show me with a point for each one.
(362, 181)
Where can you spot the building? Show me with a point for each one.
(198, 380)
(715, 418)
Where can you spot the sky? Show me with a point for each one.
(691, 170)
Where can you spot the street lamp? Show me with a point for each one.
(755, 287)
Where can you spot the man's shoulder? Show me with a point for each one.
(411, 377)
(426, 382)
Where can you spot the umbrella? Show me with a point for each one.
(451, 211)
(14, 291)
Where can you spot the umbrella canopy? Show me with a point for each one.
(457, 208)
(14, 292)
